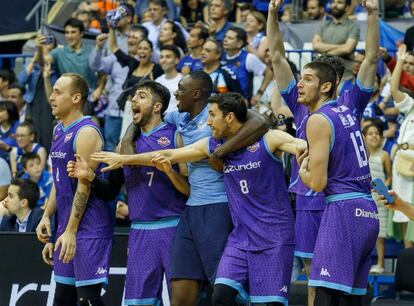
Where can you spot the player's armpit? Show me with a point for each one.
(88, 142)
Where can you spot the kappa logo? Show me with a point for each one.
(101, 270)
(68, 137)
(163, 141)
(254, 147)
(324, 272)
(284, 289)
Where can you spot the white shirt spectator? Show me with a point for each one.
(172, 85)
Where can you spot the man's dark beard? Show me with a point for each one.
(338, 14)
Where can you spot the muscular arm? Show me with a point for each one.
(281, 141)
(281, 69)
(368, 68)
(254, 128)
(318, 133)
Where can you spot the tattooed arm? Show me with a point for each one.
(88, 142)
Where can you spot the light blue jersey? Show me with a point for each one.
(206, 184)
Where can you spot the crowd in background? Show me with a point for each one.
(163, 40)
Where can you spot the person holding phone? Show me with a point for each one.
(398, 204)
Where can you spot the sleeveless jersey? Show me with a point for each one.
(348, 169)
(97, 221)
(258, 198)
(238, 66)
(151, 194)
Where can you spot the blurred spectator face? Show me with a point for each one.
(243, 14)
(134, 37)
(373, 137)
(218, 10)
(73, 36)
(192, 4)
(85, 18)
(315, 12)
(3, 84)
(34, 168)
(4, 115)
(194, 40)
(157, 12)
(412, 8)
(144, 51)
(146, 16)
(166, 33)
(357, 61)
(23, 136)
(252, 25)
(209, 53)
(13, 203)
(287, 15)
(231, 42)
(168, 60)
(409, 64)
(15, 95)
(339, 8)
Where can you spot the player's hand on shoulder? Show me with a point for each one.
(67, 242)
(43, 230)
(215, 162)
(80, 169)
(114, 160)
(47, 254)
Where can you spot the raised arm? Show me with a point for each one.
(396, 93)
(314, 168)
(281, 69)
(368, 68)
(87, 143)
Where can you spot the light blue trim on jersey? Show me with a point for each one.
(289, 88)
(154, 225)
(311, 193)
(76, 136)
(236, 285)
(272, 155)
(150, 301)
(92, 281)
(331, 285)
(268, 299)
(332, 131)
(156, 128)
(303, 254)
(294, 182)
(65, 280)
(362, 87)
(348, 196)
(64, 129)
(175, 138)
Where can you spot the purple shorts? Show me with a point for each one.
(149, 258)
(306, 231)
(258, 276)
(347, 235)
(90, 265)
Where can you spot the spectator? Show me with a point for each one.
(6, 79)
(244, 65)
(315, 10)
(15, 94)
(21, 203)
(255, 27)
(357, 59)
(403, 175)
(9, 120)
(122, 29)
(5, 179)
(171, 34)
(171, 9)
(86, 18)
(380, 167)
(195, 42)
(243, 9)
(407, 75)
(219, 11)
(25, 136)
(223, 80)
(191, 12)
(74, 57)
(109, 65)
(32, 165)
(398, 204)
(338, 36)
(169, 58)
(409, 34)
(287, 15)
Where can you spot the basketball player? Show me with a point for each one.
(155, 198)
(310, 204)
(84, 222)
(257, 260)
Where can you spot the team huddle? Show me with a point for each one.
(233, 229)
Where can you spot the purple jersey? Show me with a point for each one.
(97, 221)
(348, 170)
(151, 194)
(258, 198)
(356, 99)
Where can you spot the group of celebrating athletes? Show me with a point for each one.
(236, 230)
